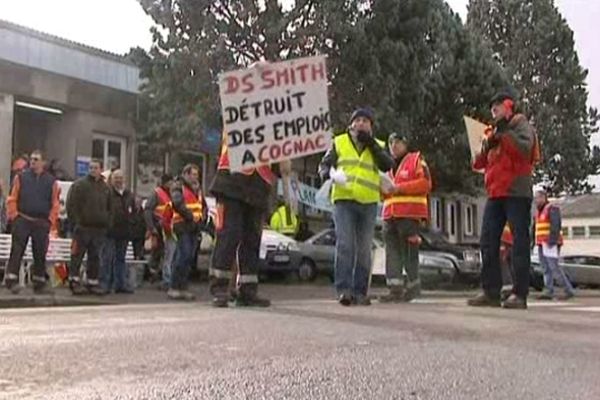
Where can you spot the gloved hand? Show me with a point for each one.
(365, 138)
(338, 176)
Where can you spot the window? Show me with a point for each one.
(451, 214)
(565, 231)
(578, 231)
(469, 219)
(594, 231)
(436, 214)
(110, 150)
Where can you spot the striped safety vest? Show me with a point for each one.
(192, 203)
(406, 206)
(542, 226)
(360, 169)
(164, 208)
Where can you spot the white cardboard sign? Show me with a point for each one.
(275, 111)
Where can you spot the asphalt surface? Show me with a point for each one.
(304, 347)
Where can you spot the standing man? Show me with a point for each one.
(88, 208)
(159, 216)
(122, 203)
(404, 208)
(508, 155)
(549, 239)
(353, 163)
(241, 211)
(190, 211)
(33, 206)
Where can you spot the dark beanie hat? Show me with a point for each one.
(165, 178)
(363, 112)
(500, 97)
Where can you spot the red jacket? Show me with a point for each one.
(509, 164)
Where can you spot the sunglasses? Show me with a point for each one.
(34, 159)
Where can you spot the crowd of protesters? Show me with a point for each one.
(103, 219)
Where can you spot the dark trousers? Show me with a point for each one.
(90, 241)
(517, 211)
(184, 259)
(401, 254)
(22, 230)
(238, 234)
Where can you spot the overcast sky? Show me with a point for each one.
(118, 25)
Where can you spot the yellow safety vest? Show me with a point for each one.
(360, 169)
(279, 222)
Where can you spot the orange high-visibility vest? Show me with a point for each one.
(193, 203)
(264, 170)
(542, 226)
(403, 206)
(164, 208)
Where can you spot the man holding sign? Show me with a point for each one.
(508, 155)
(272, 113)
(352, 164)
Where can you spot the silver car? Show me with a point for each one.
(318, 255)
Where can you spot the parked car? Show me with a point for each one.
(582, 270)
(318, 254)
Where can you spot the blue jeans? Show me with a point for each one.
(354, 228)
(517, 211)
(552, 268)
(167, 262)
(184, 259)
(114, 269)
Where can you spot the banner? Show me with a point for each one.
(476, 134)
(308, 196)
(275, 111)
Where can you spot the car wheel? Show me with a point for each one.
(307, 271)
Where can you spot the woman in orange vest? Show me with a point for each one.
(405, 206)
(549, 239)
(189, 212)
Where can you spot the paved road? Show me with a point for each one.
(304, 348)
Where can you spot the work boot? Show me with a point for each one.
(483, 300)
(396, 295)
(77, 289)
(96, 290)
(412, 293)
(13, 287)
(174, 294)
(362, 300)
(515, 302)
(220, 302)
(251, 301)
(345, 299)
(42, 289)
(545, 296)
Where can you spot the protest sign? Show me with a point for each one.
(476, 134)
(275, 111)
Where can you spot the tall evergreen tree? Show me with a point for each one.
(535, 45)
(195, 40)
